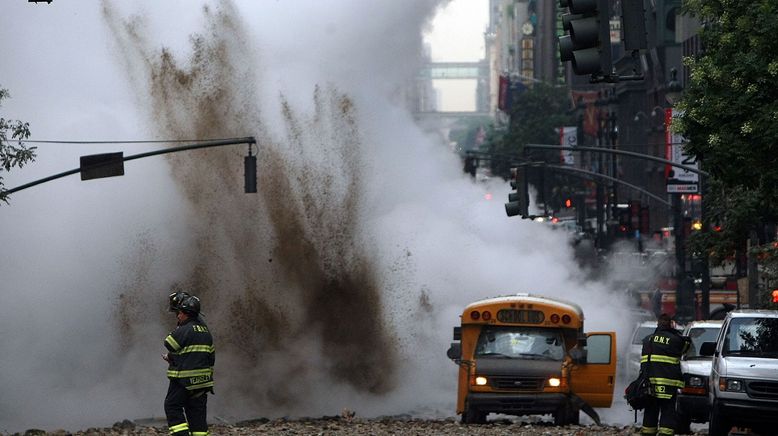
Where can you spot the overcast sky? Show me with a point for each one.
(457, 34)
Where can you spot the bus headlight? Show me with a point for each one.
(554, 382)
(480, 381)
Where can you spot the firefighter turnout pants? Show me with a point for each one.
(185, 410)
(659, 417)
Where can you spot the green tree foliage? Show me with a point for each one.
(536, 115)
(730, 117)
(12, 155)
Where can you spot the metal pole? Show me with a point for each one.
(752, 271)
(600, 194)
(613, 179)
(218, 143)
(620, 152)
(680, 255)
(705, 260)
(614, 163)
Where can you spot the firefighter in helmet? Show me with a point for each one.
(661, 360)
(190, 358)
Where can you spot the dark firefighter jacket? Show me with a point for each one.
(665, 346)
(191, 356)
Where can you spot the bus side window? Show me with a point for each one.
(598, 349)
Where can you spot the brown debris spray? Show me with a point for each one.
(276, 269)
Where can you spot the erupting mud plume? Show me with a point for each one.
(287, 270)
(335, 286)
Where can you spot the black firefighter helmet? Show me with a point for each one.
(190, 306)
(175, 300)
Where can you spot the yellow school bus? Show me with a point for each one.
(528, 355)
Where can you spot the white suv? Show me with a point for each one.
(743, 383)
(692, 404)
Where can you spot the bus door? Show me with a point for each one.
(593, 381)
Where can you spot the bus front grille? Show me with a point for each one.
(517, 383)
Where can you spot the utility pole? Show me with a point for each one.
(680, 255)
(705, 260)
(752, 271)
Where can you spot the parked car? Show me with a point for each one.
(743, 382)
(692, 404)
(632, 360)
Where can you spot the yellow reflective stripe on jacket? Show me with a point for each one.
(666, 381)
(659, 358)
(178, 428)
(172, 342)
(190, 373)
(200, 433)
(666, 430)
(196, 348)
(200, 386)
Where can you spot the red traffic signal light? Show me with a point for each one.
(775, 296)
(568, 203)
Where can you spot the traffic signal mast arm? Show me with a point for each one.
(621, 152)
(121, 159)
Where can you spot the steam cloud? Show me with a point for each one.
(284, 267)
(336, 286)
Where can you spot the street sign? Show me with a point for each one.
(679, 180)
(568, 136)
(682, 188)
(96, 166)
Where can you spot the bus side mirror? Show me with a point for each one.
(707, 349)
(578, 354)
(455, 352)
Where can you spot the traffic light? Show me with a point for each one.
(518, 202)
(587, 44)
(633, 25)
(568, 202)
(775, 295)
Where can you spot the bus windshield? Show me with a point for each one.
(520, 343)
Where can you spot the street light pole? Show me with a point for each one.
(600, 193)
(685, 288)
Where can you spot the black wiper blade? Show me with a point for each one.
(492, 354)
(535, 356)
